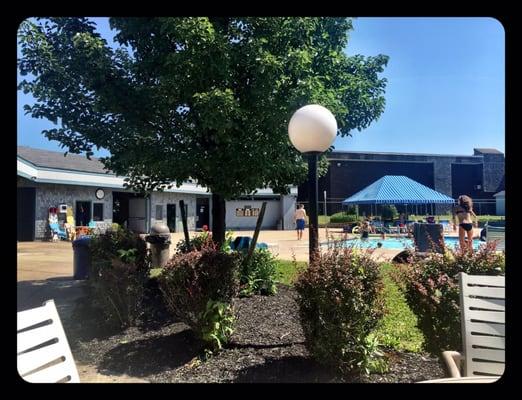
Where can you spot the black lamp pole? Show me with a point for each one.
(313, 204)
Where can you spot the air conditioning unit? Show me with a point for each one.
(478, 187)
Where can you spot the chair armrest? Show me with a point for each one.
(453, 360)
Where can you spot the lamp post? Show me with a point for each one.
(312, 130)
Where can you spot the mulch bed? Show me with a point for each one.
(267, 346)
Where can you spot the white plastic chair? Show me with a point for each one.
(43, 353)
(482, 300)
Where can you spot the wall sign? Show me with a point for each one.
(247, 211)
(100, 194)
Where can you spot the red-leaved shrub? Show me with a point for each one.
(340, 302)
(431, 289)
(193, 283)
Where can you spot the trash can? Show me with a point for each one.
(428, 237)
(82, 257)
(159, 239)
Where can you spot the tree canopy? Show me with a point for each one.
(195, 97)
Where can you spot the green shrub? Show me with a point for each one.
(431, 290)
(341, 301)
(203, 239)
(196, 243)
(259, 274)
(198, 288)
(389, 212)
(343, 217)
(119, 272)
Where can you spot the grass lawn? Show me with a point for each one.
(288, 270)
(324, 219)
(397, 329)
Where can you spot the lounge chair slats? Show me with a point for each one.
(34, 337)
(486, 328)
(43, 351)
(483, 368)
(487, 292)
(483, 353)
(486, 280)
(488, 304)
(489, 355)
(28, 362)
(52, 374)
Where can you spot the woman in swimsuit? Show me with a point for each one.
(464, 212)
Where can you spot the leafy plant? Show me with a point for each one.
(260, 274)
(371, 358)
(120, 268)
(340, 299)
(197, 284)
(217, 324)
(430, 286)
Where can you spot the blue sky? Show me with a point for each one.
(445, 91)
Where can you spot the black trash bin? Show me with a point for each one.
(82, 257)
(428, 237)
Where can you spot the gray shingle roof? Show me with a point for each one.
(56, 159)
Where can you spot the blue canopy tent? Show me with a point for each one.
(393, 189)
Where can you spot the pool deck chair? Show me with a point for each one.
(43, 353)
(496, 234)
(482, 301)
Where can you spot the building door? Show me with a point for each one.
(83, 213)
(202, 214)
(171, 217)
(25, 214)
(138, 215)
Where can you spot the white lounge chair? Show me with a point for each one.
(43, 353)
(496, 234)
(482, 300)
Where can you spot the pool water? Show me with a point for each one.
(399, 243)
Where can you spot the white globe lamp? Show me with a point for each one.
(312, 130)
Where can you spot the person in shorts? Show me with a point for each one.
(300, 220)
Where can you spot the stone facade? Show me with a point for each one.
(52, 195)
(493, 171)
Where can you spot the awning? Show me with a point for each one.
(392, 189)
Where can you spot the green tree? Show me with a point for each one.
(201, 98)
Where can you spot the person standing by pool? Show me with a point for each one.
(365, 230)
(300, 219)
(464, 212)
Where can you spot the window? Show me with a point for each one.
(97, 212)
(159, 211)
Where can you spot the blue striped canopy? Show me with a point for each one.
(392, 189)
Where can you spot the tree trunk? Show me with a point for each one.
(218, 219)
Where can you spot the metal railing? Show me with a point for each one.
(333, 206)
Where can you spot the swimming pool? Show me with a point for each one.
(399, 243)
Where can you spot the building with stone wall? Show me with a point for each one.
(480, 175)
(47, 179)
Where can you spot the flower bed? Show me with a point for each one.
(267, 346)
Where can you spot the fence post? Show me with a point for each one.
(256, 232)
